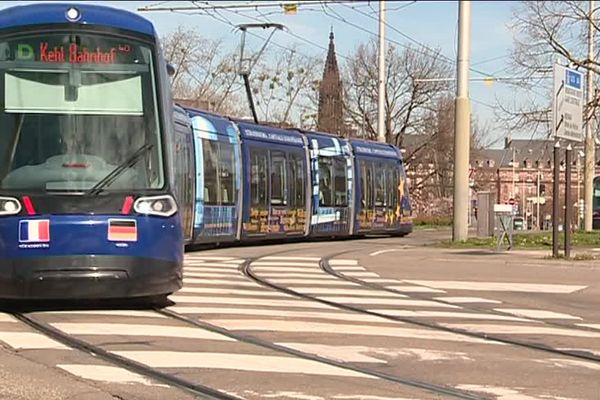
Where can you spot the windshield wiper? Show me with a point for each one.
(115, 173)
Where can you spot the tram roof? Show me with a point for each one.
(269, 134)
(55, 13)
(374, 149)
(211, 126)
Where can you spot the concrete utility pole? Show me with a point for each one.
(462, 119)
(381, 95)
(590, 143)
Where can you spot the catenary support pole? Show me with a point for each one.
(555, 199)
(381, 94)
(590, 143)
(568, 205)
(462, 120)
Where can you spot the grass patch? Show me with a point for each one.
(541, 240)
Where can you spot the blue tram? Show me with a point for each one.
(256, 183)
(87, 174)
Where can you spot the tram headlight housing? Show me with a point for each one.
(9, 206)
(162, 206)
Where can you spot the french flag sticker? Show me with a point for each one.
(34, 231)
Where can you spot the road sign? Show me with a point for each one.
(567, 104)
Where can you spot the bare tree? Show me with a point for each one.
(414, 81)
(544, 32)
(284, 85)
(205, 74)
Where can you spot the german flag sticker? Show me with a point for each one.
(122, 230)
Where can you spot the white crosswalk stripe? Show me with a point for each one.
(215, 291)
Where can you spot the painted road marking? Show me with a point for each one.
(212, 264)
(259, 292)
(241, 362)
(339, 353)
(376, 253)
(359, 274)
(317, 259)
(343, 262)
(349, 292)
(106, 373)
(415, 289)
(566, 363)
(540, 314)
(341, 316)
(216, 275)
(350, 268)
(237, 281)
(249, 302)
(499, 286)
(382, 281)
(468, 300)
(116, 313)
(386, 302)
(447, 314)
(323, 280)
(284, 269)
(504, 393)
(310, 274)
(344, 329)
(30, 340)
(593, 326)
(138, 330)
(203, 257)
(7, 318)
(284, 264)
(525, 330)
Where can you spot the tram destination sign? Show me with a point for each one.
(567, 104)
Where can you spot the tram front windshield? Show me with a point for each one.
(75, 108)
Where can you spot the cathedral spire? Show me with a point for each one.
(330, 117)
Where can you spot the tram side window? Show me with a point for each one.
(340, 182)
(379, 186)
(300, 181)
(258, 177)
(210, 150)
(367, 184)
(219, 172)
(278, 178)
(390, 186)
(394, 188)
(325, 182)
(226, 174)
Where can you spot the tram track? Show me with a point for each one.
(196, 389)
(325, 267)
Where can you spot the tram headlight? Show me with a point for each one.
(9, 206)
(162, 206)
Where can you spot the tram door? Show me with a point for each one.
(379, 199)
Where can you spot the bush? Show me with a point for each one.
(435, 220)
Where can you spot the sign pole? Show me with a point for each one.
(568, 208)
(555, 199)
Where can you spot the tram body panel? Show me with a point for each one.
(382, 204)
(275, 182)
(332, 179)
(218, 178)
